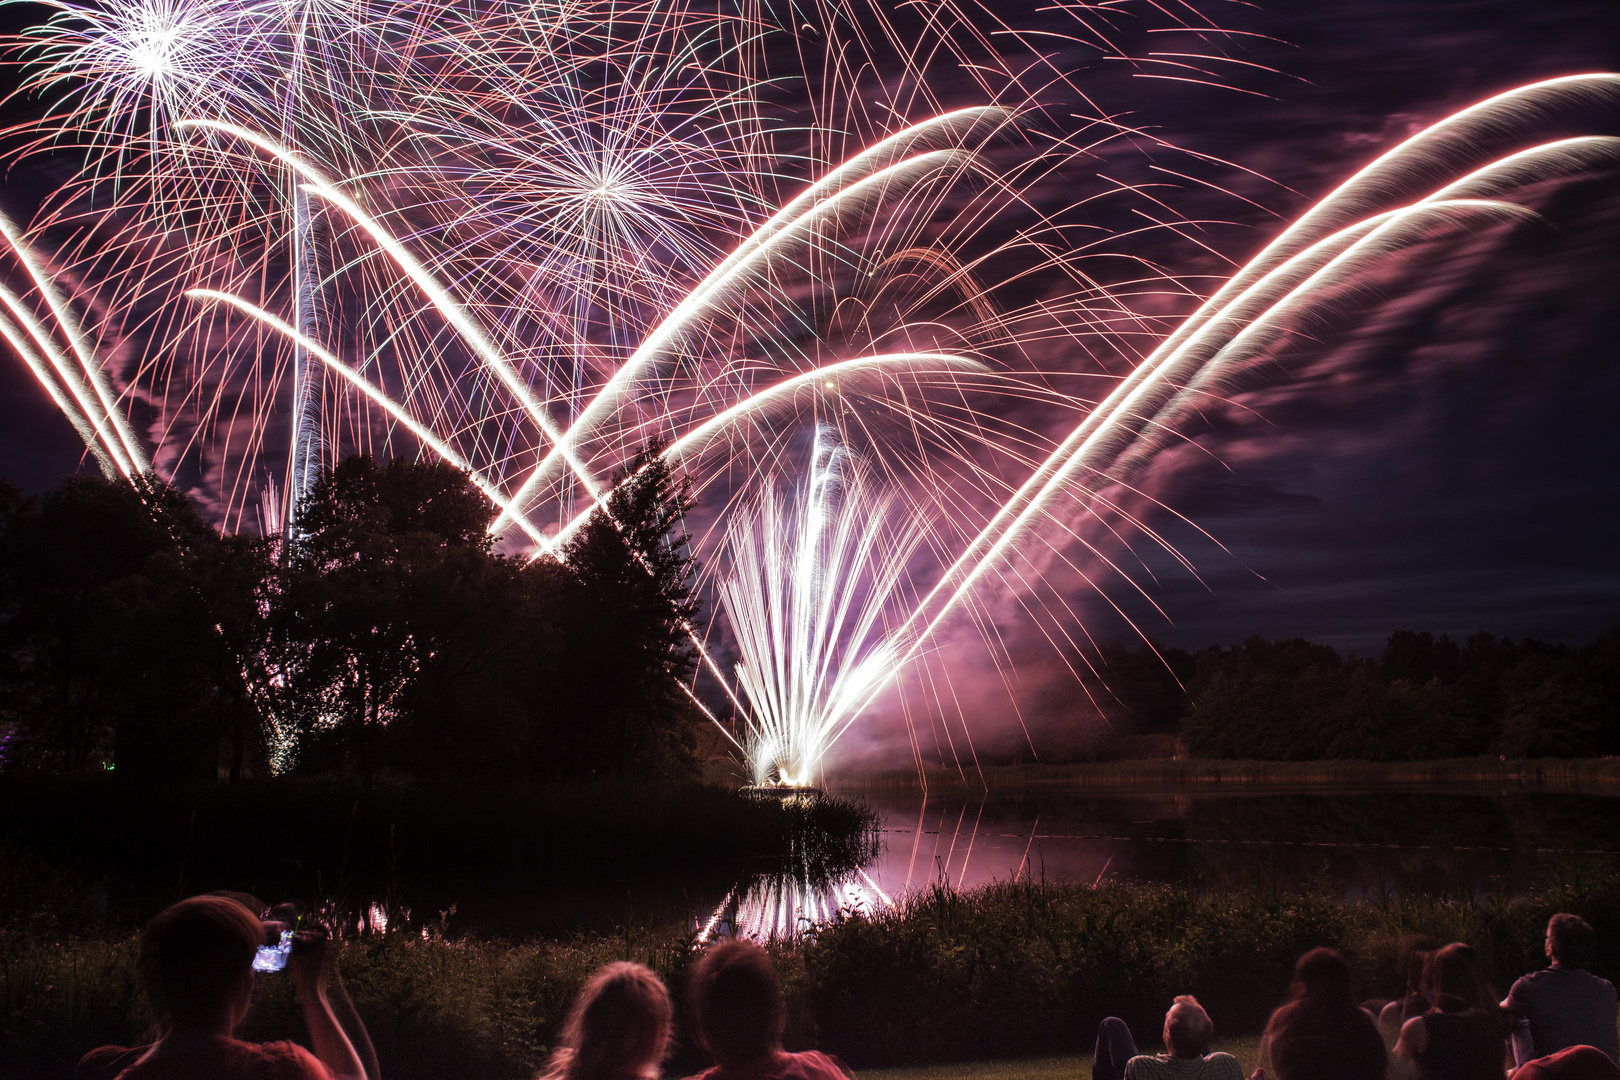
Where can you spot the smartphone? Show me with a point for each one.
(274, 957)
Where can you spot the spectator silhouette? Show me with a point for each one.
(1571, 1063)
(197, 962)
(1321, 1033)
(740, 1018)
(1463, 1035)
(1415, 948)
(1564, 1005)
(1187, 1031)
(618, 1029)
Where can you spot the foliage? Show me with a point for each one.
(1027, 968)
(360, 601)
(1015, 969)
(1141, 690)
(632, 603)
(1424, 699)
(122, 617)
(384, 635)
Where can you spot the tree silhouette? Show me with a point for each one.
(627, 615)
(352, 626)
(122, 616)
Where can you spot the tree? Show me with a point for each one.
(494, 637)
(118, 606)
(1264, 700)
(1417, 658)
(628, 607)
(352, 628)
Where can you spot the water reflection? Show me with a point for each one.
(941, 849)
(1459, 840)
(783, 905)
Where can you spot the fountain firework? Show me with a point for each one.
(527, 239)
(810, 587)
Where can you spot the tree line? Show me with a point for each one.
(1423, 698)
(384, 633)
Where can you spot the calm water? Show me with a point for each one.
(1448, 840)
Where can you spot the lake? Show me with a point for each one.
(1354, 840)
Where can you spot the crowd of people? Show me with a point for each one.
(1555, 1024)
(198, 959)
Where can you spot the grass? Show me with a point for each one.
(1246, 1048)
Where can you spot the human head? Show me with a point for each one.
(1322, 977)
(1571, 941)
(197, 959)
(618, 1027)
(738, 1002)
(1187, 1028)
(1454, 970)
(1415, 949)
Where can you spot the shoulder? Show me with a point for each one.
(1221, 1064)
(814, 1065)
(106, 1062)
(1140, 1066)
(1148, 1067)
(1414, 1037)
(1525, 986)
(1284, 1014)
(281, 1061)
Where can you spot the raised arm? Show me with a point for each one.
(309, 964)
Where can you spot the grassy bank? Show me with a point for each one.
(1064, 1067)
(1012, 971)
(1573, 774)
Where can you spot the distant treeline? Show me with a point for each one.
(1424, 698)
(383, 633)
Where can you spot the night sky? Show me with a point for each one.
(1441, 457)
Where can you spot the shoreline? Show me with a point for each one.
(1596, 775)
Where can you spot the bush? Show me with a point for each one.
(1025, 968)
(1010, 970)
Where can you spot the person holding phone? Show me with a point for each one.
(197, 960)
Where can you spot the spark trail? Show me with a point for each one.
(547, 235)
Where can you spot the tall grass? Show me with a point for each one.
(1010, 970)
(1025, 968)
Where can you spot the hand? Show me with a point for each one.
(1258, 1074)
(309, 961)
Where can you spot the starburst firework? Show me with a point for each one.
(527, 238)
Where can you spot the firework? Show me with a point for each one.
(526, 239)
(806, 599)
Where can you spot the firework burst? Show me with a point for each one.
(528, 238)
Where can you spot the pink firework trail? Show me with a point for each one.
(527, 239)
